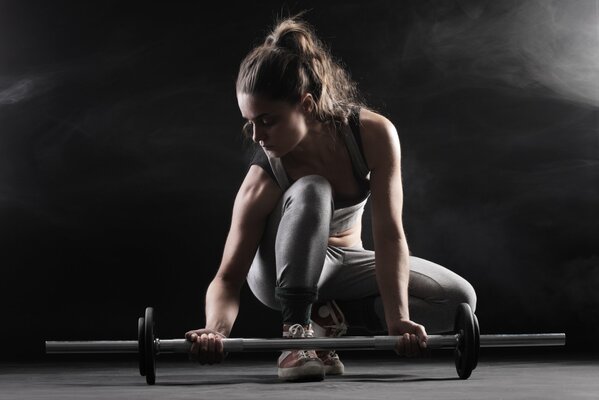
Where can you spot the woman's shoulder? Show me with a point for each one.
(377, 133)
(259, 158)
(373, 122)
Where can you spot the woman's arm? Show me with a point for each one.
(381, 147)
(255, 200)
(391, 247)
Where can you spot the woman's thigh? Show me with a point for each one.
(349, 274)
(352, 275)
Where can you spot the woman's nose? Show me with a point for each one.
(257, 135)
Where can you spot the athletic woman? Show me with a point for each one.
(295, 234)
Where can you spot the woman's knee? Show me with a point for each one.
(435, 283)
(312, 189)
(463, 292)
(310, 198)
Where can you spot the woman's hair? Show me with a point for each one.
(292, 61)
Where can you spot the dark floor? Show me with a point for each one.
(500, 375)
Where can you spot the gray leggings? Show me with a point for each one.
(294, 252)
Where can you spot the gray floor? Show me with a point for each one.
(497, 377)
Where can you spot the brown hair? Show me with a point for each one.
(292, 61)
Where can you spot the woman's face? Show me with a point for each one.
(276, 125)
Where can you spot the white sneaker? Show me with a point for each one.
(328, 321)
(299, 365)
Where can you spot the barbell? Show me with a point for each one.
(466, 342)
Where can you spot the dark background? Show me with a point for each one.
(121, 154)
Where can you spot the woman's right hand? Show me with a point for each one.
(206, 347)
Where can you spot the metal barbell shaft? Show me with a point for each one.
(343, 343)
(523, 340)
(93, 346)
(239, 345)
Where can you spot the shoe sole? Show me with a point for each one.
(334, 369)
(307, 372)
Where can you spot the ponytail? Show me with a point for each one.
(293, 61)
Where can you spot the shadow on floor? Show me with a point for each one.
(262, 380)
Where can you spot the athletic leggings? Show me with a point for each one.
(294, 266)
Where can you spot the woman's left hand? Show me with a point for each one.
(412, 342)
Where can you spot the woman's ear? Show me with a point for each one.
(308, 105)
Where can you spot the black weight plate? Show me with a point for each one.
(141, 346)
(465, 351)
(150, 354)
(476, 341)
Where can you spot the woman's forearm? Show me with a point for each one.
(222, 306)
(393, 274)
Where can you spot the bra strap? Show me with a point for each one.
(354, 152)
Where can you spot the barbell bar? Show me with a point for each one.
(165, 346)
(465, 341)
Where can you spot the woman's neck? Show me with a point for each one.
(317, 147)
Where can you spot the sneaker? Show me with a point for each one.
(332, 363)
(328, 321)
(299, 365)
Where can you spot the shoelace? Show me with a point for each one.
(298, 331)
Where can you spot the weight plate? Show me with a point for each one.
(476, 341)
(465, 351)
(150, 353)
(141, 346)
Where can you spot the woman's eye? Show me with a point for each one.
(247, 128)
(263, 122)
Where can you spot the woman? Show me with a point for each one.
(296, 227)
